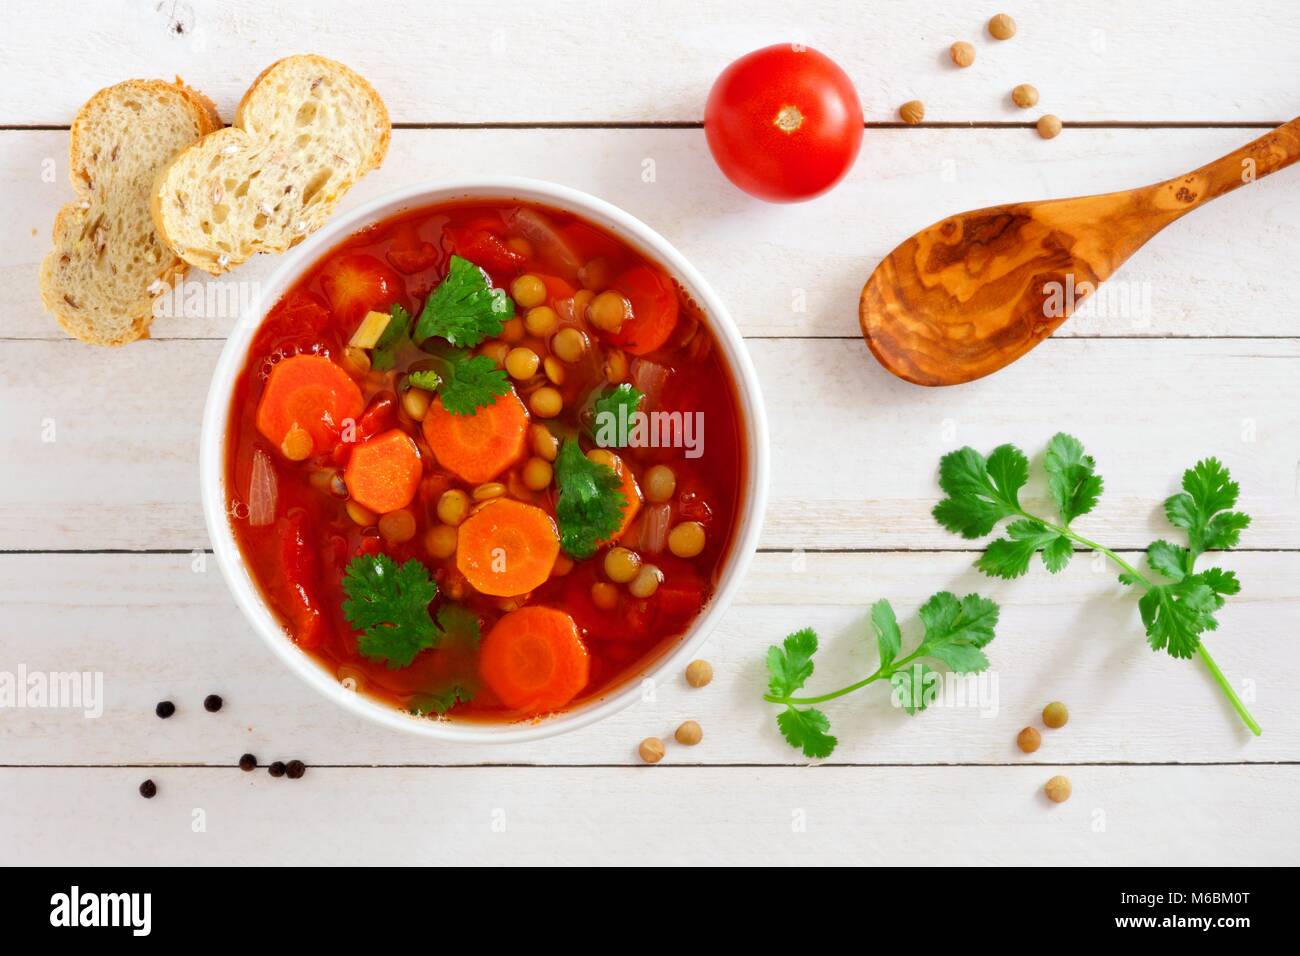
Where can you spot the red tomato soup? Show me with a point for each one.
(485, 460)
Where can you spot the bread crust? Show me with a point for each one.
(98, 323)
(175, 223)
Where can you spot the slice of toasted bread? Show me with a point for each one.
(108, 263)
(306, 130)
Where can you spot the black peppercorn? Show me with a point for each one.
(212, 703)
(276, 769)
(148, 789)
(165, 709)
(295, 769)
(247, 762)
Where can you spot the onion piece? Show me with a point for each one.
(649, 379)
(262, 490)
(546, 239)
(654, 527)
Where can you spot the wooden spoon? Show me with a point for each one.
(971, 294)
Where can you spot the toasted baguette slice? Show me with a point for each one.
(108, 263)
(306, 130)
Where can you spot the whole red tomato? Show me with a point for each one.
(784, 123)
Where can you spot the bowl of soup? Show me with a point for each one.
(486, 457)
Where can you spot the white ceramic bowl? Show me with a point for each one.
(212, 451)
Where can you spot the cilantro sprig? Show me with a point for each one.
(956, 630)
(464, 382)
(612, 415)
(464, 308)
(1177, 604)
(590, 506)
(389, 604)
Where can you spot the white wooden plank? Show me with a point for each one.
(639, 817)
(157, 629)
(628, 61)
(798, 270)
(122, 472)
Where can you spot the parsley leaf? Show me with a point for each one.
(1071, 477)
(956, 630)
(613, 415)
(471, 383)
(1176, 614)
(464, 309)
(394, 339)
(806, 730)
(981, 492)
(591, 502)
(390, 605)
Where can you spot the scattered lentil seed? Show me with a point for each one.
(1049, 126)
(1029, 740)
(1024, 96)
(276, 769)
(689, 733)
(1055, 715)
(1058, 789)
(148, 789)
(165, 709)
(651, 750)
(912, 112)
(212, 703)
(247, 763)
(962, 53)
(699, 673)
(295, 769)
(1002, 27)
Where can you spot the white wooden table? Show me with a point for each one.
(105, 568)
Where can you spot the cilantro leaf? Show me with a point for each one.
(426, 379)
(1009, 557)
(914, 688)
(790, 665)
(471, 383)
(464, 309)
(953, 627)
(806, 730)
(981, 492)
(1222, 583)
(1176, 614)
(1201, 508)
(459, 623)
(888, 637)
(613, 415)
(1057, 553)
(1168, 559)
(1071, 478)
(395, 338)
(390, 605)
(591, 502)
(440, 701)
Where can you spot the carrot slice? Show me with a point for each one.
(631, 491)
(534, 660)
(507, 548)
(384, 472)
(478, 447)
(654, 310)
(311, 392)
